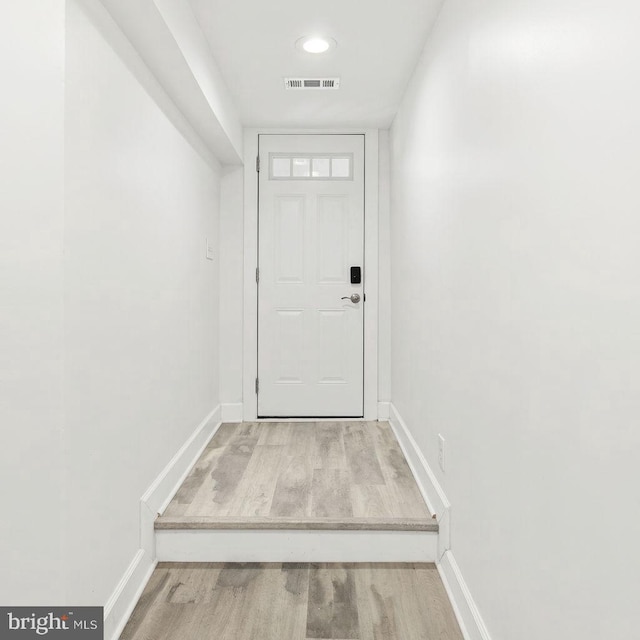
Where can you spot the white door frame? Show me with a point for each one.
(250, 319)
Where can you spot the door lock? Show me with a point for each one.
(354, 297)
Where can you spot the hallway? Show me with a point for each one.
(301, 287)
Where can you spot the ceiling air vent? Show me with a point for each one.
(312, 83)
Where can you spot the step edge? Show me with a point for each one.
(333, 524)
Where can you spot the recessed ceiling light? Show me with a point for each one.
(315, 44)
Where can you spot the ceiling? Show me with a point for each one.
(379, 42)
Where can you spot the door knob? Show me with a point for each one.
(354, 297)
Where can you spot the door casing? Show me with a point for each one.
(250, 315)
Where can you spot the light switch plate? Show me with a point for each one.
(209, 251)
(441, 451)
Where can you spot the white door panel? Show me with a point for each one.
(311, 232)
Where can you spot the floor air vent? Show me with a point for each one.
(312, 83)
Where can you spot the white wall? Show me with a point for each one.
(141, 304)
(31, 359)
(109, 323)
(231, 284)
(516, 304)
(384, 268)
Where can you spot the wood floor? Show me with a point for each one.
(293, 602)
(300, 475)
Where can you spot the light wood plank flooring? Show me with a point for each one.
(293, 602)
(300, 475)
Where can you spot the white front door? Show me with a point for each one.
(310, 295)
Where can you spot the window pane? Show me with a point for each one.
(321, 168)
(340, 167)
(281, 167)
(301, 167)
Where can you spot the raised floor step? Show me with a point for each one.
(297, 492)
(295, 545)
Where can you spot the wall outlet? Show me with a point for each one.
(441, 451)
(209, 251)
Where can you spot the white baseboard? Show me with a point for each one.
(159, 494)
(154, 501)
(430, 488)
(125, 596)
(384, 409)
(232, 412)
(289, 545)
(469, 618)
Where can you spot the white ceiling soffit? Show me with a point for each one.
(171, 43)
(378, 45)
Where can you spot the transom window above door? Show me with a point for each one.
(303, 166)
